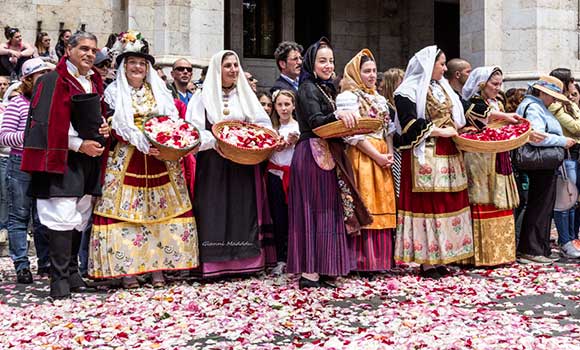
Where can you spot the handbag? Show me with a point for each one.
(530, 157)
(566, 190)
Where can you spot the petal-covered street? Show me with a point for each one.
(514, 307)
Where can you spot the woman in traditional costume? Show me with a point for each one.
(144, 221)
(434, 220)
(492, 188)
(324, 206)
(229, 197)
(371, 157)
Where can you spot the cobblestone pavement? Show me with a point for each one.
(512, 307)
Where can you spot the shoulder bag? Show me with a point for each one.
(566, 190)
(530, 157)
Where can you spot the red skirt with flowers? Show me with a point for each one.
(434, 220)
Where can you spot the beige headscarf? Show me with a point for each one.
(351, 79)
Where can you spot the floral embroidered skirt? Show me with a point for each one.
(374, 247)
(143, 222)
(434, 218)
(317, 238)
(493, 194)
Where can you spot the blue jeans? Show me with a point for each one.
(564, 220)
(3, 194)
(21, 211)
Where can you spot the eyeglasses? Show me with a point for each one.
(182, 69)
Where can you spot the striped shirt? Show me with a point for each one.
(14, 123)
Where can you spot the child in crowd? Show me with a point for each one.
(278, 171)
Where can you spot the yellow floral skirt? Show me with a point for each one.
(144, 221)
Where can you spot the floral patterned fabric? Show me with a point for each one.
(441, 173)
(321, 154)
(434, 239)
(144, 220)
(125, 248)
(155, 193)
(432, 227)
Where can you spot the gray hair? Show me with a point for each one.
(74, 40)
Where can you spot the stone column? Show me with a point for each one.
(526, 38)
(179, 28)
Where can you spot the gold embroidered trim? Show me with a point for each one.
(137, 176)
(438, 261)
(436, 216)
(406, 128)
(126, 223)
(419, 137)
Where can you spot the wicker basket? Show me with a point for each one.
(169, 153)
(337, 128)
(493, 146)
(246, 156)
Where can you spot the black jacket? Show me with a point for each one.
(313, 109)
(282, 84)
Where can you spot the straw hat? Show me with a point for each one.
(551, 86)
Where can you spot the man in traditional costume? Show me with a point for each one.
(63, 144)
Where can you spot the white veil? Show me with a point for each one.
(415, 85)
(212, 91)
(118, 97)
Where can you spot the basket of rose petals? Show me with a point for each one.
(337, 128)
(245, 143)
(174, 138)
(495, 137)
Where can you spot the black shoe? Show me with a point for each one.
(24, 276)
(443, 270)
(327, 282)
(60, 297)
(306, 283)
(43, 271)
(430, 273)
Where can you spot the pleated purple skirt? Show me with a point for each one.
(374, 250)
(317, 238)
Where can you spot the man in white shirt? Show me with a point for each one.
(64, 141)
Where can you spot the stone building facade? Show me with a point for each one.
(525, 37)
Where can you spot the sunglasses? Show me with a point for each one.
(102, 65)
(182, 69)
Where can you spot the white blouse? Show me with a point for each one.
(284, 157)
(348, 101)
(196, 115)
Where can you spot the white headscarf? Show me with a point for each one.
(118, 97)
(212, 91)
(415, 86)
(477, 76)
